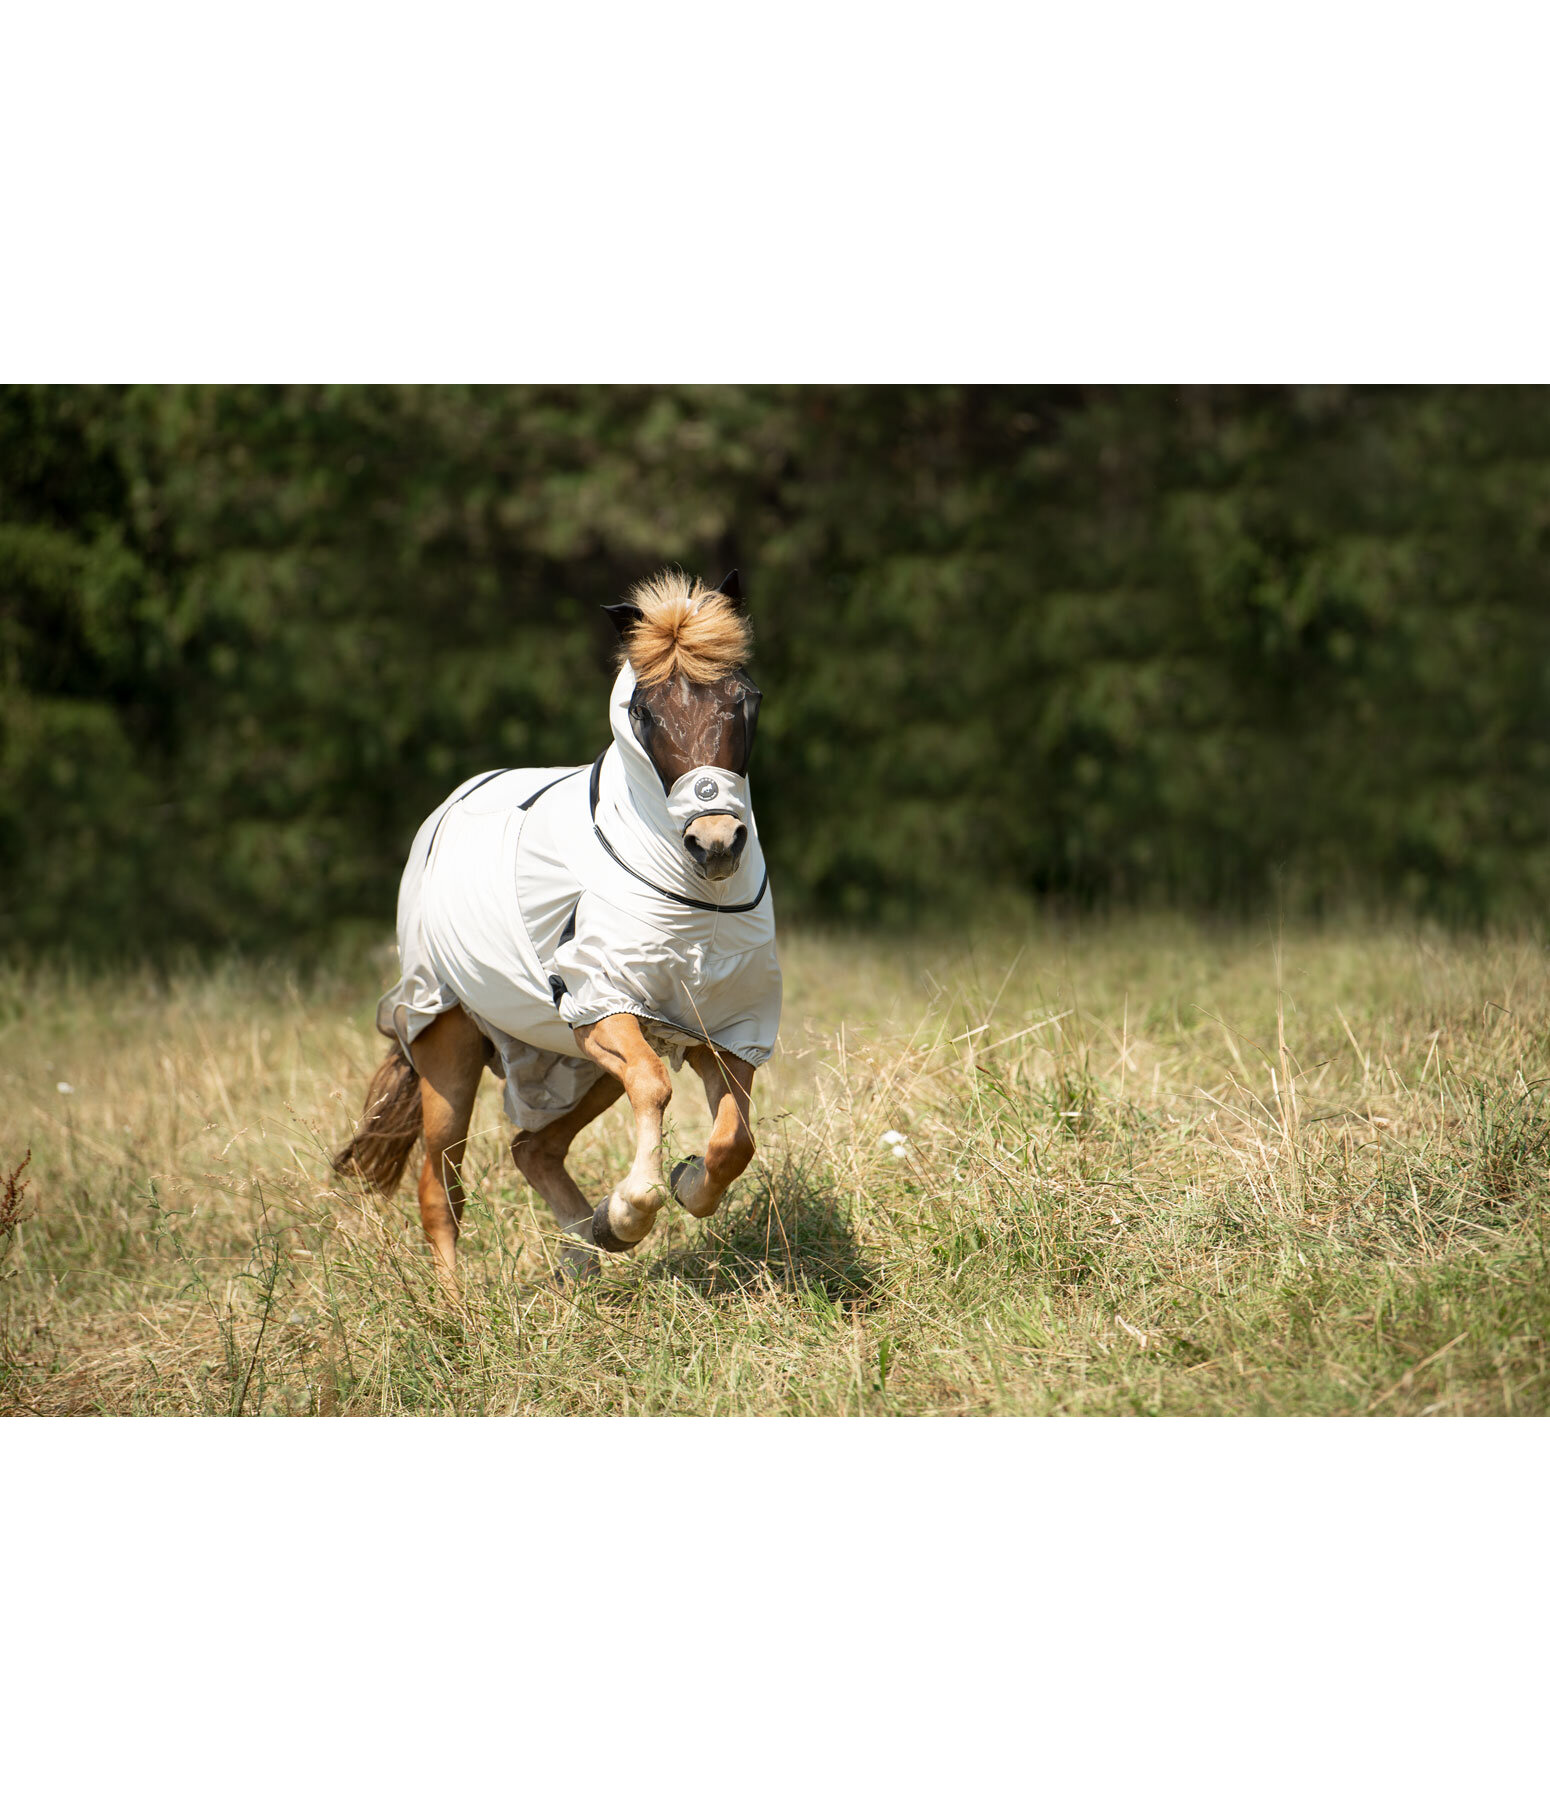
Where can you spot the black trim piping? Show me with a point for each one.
(666, 893)
(479, 784)
(532, 798)
(458, 802)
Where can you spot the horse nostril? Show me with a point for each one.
(717, 854)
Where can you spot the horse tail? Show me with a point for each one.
(390, 1126)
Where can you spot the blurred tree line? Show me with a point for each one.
(1185, 645)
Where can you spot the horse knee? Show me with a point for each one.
(651, 1089)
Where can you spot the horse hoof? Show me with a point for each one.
(602, 1236)
(689, 1162)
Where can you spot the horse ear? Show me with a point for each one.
(626, 616)
(732, 586)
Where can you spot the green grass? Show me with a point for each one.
(1148, 1168)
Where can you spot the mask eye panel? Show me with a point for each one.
(644, 725)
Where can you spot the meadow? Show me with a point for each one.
(1144, 1166)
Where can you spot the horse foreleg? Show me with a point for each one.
(617, 1046)
(450, 1056)
(540, 1157)
(700, 1183)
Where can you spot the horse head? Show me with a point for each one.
(694, 710)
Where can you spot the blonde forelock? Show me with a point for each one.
(685, 629)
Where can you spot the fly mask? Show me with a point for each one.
(656, 810)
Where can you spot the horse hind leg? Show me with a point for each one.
(540, 1159)
(450, 1055)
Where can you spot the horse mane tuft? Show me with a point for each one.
(685, 629)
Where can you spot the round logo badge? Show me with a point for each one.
(705, 789)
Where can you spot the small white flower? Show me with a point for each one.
(902, 1149)
(893, 1137)
(64, 1087)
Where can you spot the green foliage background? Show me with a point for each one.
(1186, 645)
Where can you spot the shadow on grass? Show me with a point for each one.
(785, 1231)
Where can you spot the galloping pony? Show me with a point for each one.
(569, 928)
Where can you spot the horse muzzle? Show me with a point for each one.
(716, 842)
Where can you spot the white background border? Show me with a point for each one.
(823, 191)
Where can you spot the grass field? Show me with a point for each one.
(1143, 1167)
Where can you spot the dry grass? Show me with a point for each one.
(1144, 1168)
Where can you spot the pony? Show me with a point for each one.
(574, 929)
